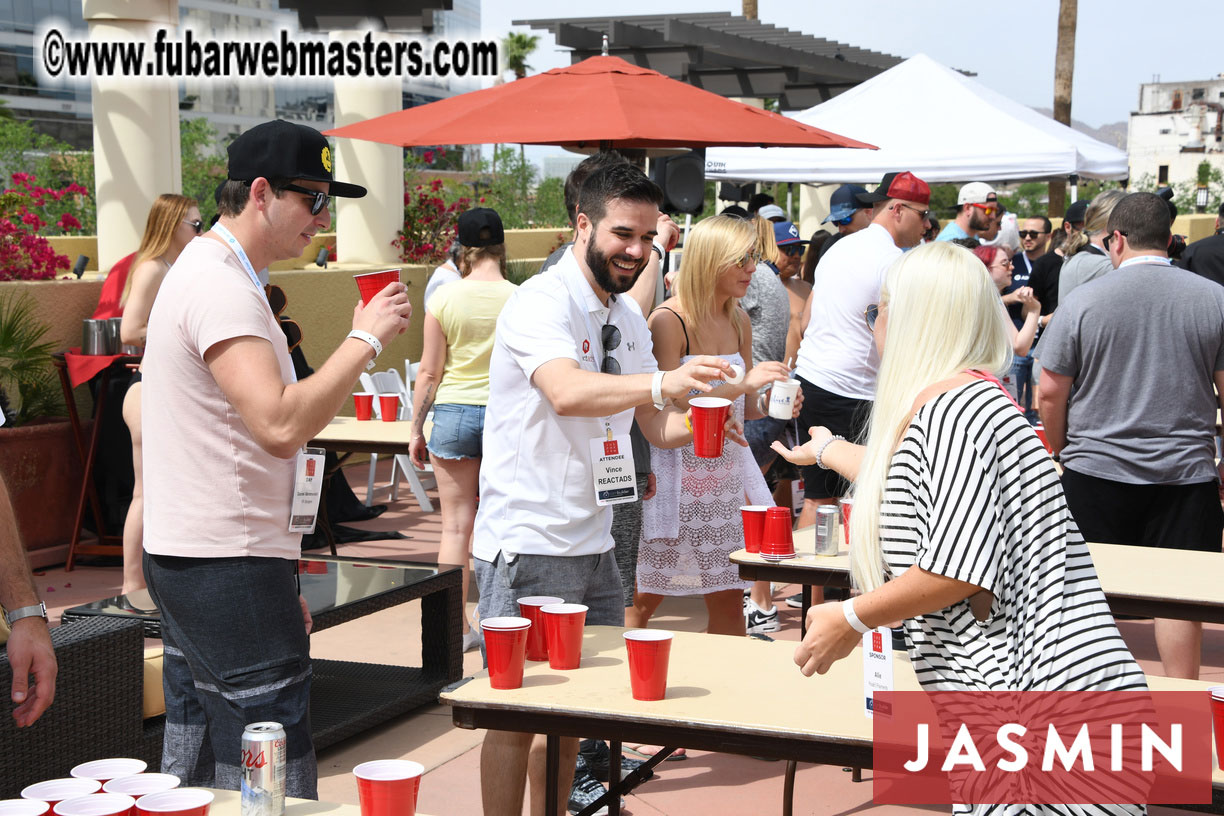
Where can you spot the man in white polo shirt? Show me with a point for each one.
(572, 366)
(837, 359)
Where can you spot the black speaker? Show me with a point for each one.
(729, 191)
(683, 181)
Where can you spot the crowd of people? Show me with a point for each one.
(923, 355)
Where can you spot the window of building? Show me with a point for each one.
(1198, 93)
(1162, 174)
(1165, 131)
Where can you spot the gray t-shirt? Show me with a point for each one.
(1083, 266)
(1142, 345)
(768, 308)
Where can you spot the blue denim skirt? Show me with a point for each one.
(457, 430)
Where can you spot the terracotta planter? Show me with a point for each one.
(42, 469)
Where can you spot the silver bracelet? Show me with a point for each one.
(820, 451)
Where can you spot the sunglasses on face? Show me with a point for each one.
(989, 209)
(793, 250)
(198, 226)
(610, 336)
(921, 213)
(1108, 238)
(1030, 234)
(750, 257)
(871, 314)
(321, 200)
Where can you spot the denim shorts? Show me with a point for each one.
(456, 431)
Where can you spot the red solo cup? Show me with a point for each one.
(176, 802)
(104, 770)
(709, 417)
(97, 804)
(371, 283)
(1041, 434)
(23, 807)
(529, 608)
(1217, 716)
(505, 642)
(388, 787)
(649, 650)
(754, 526)
(847, 504)
(57, 790)
(388, 405)
(141, 784)
(563, 624)
(363, 404)
(776, 540)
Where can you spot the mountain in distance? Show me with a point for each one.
(1112, 134)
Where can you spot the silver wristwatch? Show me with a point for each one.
(39, 609)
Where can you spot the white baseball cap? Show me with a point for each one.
(975, 192)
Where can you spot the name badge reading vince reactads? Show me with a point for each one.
(615, 479)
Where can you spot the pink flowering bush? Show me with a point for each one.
(28, 213)
(431, 211)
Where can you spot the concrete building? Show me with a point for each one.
(1177, 126)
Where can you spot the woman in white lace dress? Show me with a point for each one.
(692, 524)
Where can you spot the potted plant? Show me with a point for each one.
(38, 456)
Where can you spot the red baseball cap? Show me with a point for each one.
(904, 186)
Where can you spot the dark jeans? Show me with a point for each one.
(1022, 374)
(236, 652)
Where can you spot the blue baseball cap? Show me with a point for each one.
(845, 202)
(786, 233)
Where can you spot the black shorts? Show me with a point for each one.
(1172, 517)
(844, 416)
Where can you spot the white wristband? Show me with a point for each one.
(368, 338)
(656, 389)
(853, 619)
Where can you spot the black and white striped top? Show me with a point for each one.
(972, 494)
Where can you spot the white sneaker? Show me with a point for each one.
(758, 620)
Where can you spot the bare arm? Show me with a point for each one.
(1022, 341)
(429, 377)
(916, 592)
(574, 391)
(146, 280)
(283, 417)
(1052, 405)
(840, 455)
(29, 646)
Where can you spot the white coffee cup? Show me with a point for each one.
(782, 399)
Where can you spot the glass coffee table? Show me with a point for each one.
(349, 697)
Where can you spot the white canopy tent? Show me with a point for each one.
(933, 121)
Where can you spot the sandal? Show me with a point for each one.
(643, 751)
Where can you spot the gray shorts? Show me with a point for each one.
(586, 579)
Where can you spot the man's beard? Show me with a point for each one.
(978, 220)
(600, 266)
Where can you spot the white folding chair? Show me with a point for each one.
(390, 382)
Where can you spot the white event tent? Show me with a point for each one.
(933, 121)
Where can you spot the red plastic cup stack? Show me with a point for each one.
(563, 627)
(54, 791)
(388, 787)
(776, 541)
(97, 804)
(649, 651)
(847, 505)
(388, 406)
(371, 283)
(1217, 716)
(104, 770)
(754, 526)
(142, 784)
(176, 802)
(23, 807)
(505, 642)
(709, 415)
(363, 405)
(529, 608)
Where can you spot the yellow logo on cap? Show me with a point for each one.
(327, 159)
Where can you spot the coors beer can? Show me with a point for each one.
(263, 769)
(826, 529)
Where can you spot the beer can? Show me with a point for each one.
(264, 758)
(826, 529)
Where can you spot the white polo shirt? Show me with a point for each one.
(537, 484)
(837, 352)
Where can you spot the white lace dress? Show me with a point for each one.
(692, 525)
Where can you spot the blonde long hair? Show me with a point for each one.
(766, 245)
(1096, 221)
(167, 212)
(714, 245)
(944, 317)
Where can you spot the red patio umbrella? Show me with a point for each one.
(601, 102)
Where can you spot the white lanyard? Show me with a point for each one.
(229, 238)
(1156, 259)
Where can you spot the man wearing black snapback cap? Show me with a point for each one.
(225, 422)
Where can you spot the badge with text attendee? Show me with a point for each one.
(877, 670)
(307, 490)
(615, 480)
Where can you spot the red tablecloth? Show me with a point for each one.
(84, 367)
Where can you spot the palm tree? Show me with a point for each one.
(1064, 71)
(518, 47)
